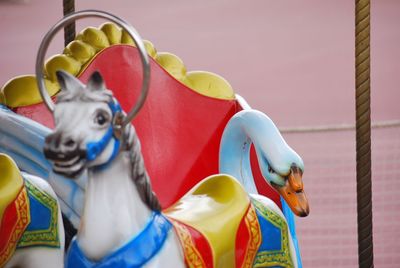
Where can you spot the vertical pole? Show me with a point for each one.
(363, 134)
(69, 30)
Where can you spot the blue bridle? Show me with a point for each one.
(94, 149)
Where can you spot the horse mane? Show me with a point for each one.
(138, 170)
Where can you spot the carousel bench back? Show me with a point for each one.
(181, 123)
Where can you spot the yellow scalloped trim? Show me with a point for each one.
(126, 39)
(23, 91)
(173, 64)
(94, 37)
(151, 50)
(79, 50)
(113, 32)
(209, 84)
(61, 62)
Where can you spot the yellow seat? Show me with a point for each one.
(11, 182)
(215, 208)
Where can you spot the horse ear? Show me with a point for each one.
(96, 81)
(67, 81)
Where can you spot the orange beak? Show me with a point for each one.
(293, 193)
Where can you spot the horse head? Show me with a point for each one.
(87, 125)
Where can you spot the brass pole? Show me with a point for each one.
(69, 30)
(363, 135)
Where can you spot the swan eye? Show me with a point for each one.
(270, 170)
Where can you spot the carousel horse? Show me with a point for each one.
(216, 224)
(31, 227)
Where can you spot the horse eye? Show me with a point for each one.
(100, 119)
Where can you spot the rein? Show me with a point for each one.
(94, 149)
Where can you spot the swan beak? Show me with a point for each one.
(294, 194)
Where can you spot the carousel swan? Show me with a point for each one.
(122, 225)
(280, 166)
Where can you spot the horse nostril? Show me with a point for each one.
(52, 142)
(69, 143)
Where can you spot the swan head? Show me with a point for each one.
(285, 174)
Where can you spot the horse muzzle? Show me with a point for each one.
(293, 193)
(67, 158)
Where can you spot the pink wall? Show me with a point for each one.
(294, 60)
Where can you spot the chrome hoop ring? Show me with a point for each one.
(44, 45)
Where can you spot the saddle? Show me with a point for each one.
(28, 215)
(11, 182)
(211, 214)
(14, 207)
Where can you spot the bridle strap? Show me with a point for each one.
(94, 149)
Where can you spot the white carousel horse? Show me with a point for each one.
(118, 201)
(122, 225)
(31, 229)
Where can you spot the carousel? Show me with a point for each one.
(114, 155)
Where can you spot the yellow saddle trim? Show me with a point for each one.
(23, 91)
(215, 207)
(11, 182)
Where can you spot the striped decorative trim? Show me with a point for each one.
(20, 207)
(254, 242)
(192, 255)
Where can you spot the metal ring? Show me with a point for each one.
(98, 14)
